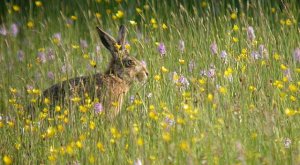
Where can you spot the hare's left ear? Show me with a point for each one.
(122, 36)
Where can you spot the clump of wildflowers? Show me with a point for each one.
(162, 49)
(181, 46)
(214, 48)
(297, 54)
(250, 33)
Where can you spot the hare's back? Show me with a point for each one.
(77, 86)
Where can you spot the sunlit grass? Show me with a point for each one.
(223, 86)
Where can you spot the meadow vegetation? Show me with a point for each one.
(223, 86)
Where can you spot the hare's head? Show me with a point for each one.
(122, 64)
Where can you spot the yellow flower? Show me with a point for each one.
(100, 146)
(235, 28)
(235, 40)
(74, 18)
(157, 77)
(181, 61)
(153, 115)
(184, 146)
(30, 24)
(117, 46)
(127, 47)
(252, 88)
(46, 101)
(276, 56)
(16, 8)
(133, 23)
(98, 15)
(233, 16)
(76, 99)
(164, 69)
(293, 88)
(288, 22)
(138, 10)
(51, 132)
(222, 90)
(93, 63)
(82, 109)
(91, 159)
(57, 108)
(79, 144)
(139, 142)
(293, 98)
(289, 112)
(153, 21)
(273, 10)
(166, 136)
(7, 160)
(210, 97)
(13, 90)
(155, 26)
(164, 26)
(204, 4)
(119, 14)
(75, 46)
(228, 72)
(283, 67)
(92, 125)
(38, 3)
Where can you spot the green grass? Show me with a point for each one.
(248, 112)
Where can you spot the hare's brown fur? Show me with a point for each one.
(110, 87)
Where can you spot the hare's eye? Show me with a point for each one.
(128, 63)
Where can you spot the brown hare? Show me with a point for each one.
(110, 87)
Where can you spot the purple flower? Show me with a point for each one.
(57, 37)
(169, 121)
(138, 162)
(69, 22)
(250, 33)
(287, 74)
(255, 55)
(50, 54)
(144, 63)
(3, 30)
(29, 87)
(214, 48)
(211, 71)
(14, 29)
(98, 48)
(98, 108)
(192, 65)
(183, 81)
(162, 49)
(297, 54)
(51, 75)
(83, 44)
(131, 98)
(181, 46)
(20, 55)
(66, 67)
(223, 54)
(262, 51)
(149, 95)
(42, 57)
(287, 142)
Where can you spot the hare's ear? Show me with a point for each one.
(107, 40)
(122, 36)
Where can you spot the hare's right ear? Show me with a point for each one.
(108, 41)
